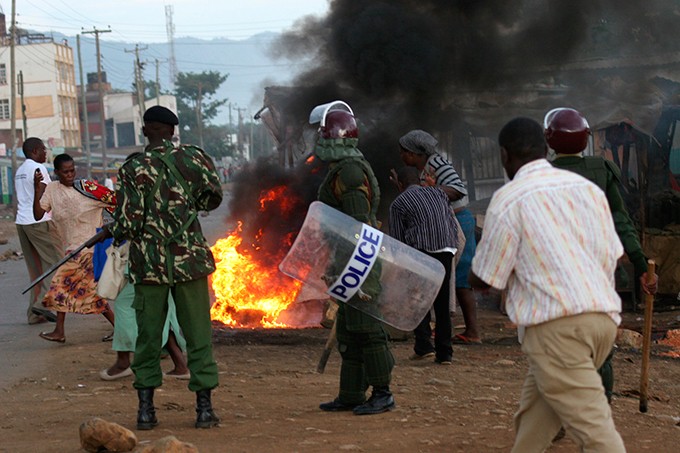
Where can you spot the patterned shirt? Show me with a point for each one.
(421, 217)
(162, 250)
(444, 174)
(549, 237)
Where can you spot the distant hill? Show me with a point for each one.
(246, 61)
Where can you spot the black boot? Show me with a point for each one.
(205, 417)
(337, 406)
(381, 400)
(146, 416)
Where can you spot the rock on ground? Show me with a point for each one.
(97, 434)
(168, 444)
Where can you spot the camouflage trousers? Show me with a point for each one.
(192, 302)
(366, 360)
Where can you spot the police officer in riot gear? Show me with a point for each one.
(567, 133)
(352, 188)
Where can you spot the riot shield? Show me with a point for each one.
(339, 257)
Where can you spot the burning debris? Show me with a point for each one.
(268, 205)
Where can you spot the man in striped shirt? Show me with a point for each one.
(550, 239)
(419, 149)
(421, 218)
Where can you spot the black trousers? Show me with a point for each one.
(442, 330)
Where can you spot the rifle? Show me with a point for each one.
(87, 244)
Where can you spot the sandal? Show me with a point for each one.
(459, 338)
(105, 376)
(108, 337)
(45, 336)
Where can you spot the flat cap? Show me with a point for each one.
(160, 114)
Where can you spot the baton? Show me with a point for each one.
(87, 244)
(330, 343)
(647, 339)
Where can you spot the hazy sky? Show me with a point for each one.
(144, 20)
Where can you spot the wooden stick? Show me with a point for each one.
(330, 344)
(647, 338)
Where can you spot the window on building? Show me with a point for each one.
(4, 109)
(63, 73)
(126, 134)
(3, 74)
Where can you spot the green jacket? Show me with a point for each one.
(350, 186)
(158, 216)
(606, 176)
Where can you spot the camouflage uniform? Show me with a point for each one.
(351, 187)
(606, 176)
(157, 209)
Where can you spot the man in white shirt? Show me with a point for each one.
(39, 239)
(549, 238)
(108, 183)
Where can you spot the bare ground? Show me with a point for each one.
(270, 392)
(269, 395)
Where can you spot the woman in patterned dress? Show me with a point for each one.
(77, 208)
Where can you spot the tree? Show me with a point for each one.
(195, 103)
(151, 90)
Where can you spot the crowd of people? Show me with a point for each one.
(552, 238)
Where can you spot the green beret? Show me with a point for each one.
(160, 114)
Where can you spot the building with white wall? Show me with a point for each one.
(46, 75)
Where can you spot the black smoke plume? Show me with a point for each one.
(420, 64)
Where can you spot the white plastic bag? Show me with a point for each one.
(113, 279)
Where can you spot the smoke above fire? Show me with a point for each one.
(270, 202)
(405, 64)
(455, 68)
(412, 53)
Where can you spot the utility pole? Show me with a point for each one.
(158, 80)
(250, 143)
(102, 119)
(13, 97)
(240, 136)
(139, 78)
(199, 114)
(23, 106)
(86, 116)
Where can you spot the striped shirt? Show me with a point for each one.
(421, 218)
(549, 238)
(444, 174)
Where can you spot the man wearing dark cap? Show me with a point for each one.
(161, 192)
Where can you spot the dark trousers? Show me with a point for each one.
(366, 357)
(607, 374)
(192, 302)
(442, 330)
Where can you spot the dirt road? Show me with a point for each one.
(269, 390)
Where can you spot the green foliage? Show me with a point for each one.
(215, 140)
(196, 106)
(150, 89)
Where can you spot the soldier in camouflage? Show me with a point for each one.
(567, 132)
(351, 187)
(161, 192)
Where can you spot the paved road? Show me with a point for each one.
(22, 352)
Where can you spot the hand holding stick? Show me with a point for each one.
(103, 234)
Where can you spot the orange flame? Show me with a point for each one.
(248, 292)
